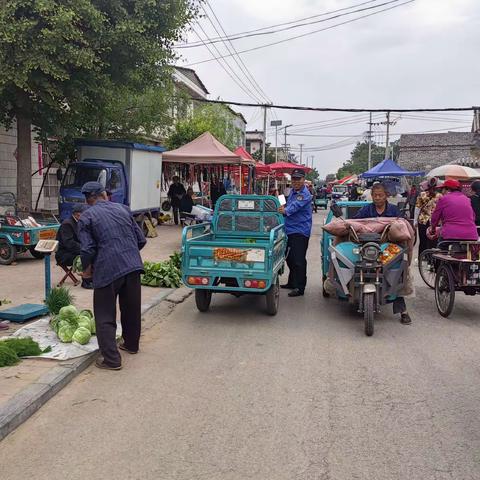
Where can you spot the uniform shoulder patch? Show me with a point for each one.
(299, 198)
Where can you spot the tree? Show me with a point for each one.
(358, 162)
(269, 154)
(312, 175)
(62, 62)
(213, 118)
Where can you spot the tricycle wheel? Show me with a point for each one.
(36, 254)
(8, 253)
(444, 291)
(426, 267)
(203, 299)
(368, 313)
(324, 292)
(272, 298)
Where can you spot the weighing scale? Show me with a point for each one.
(27, 311)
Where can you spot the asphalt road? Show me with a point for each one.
(235, 394)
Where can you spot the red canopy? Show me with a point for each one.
(205, 150)
(241, 152)
(286, 167)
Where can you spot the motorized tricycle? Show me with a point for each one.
(21, 232)
(364, 269)
(241, 251)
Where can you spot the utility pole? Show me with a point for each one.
(285, 144)
(370, 142)
(264, 132)
(301, 153)
(387, 146)
(276, 124)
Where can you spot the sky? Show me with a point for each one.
(423, 54)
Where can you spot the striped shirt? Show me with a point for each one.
(110, 241)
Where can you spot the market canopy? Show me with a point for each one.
(388, 168)
(286, 167)
(241, 152)
(205, 150)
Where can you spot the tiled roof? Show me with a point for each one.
(425, 140)
(193, 77)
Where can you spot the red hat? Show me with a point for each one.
(451, 183)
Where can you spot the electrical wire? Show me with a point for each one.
(309, 33)
(231, 38)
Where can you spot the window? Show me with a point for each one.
(51, 187)
(77, 176)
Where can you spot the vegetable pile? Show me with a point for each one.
(57, 298)
(163, 274)
(12, 349)
(70, 325)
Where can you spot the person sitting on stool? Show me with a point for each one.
(68, 242)
(298, 226)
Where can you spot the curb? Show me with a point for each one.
(25, 403)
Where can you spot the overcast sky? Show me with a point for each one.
(423, 54)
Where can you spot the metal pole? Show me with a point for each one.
(387, 146)
(264, 133)
(370, 142)
(301, 153)
(276, 143)
(286, 151)
(47, 275)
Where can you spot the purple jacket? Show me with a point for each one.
(454, 212)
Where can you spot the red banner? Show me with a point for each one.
(40, 159)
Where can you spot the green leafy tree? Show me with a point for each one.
(62, 62)
(269, 154)
(213, 118)
(312, 175)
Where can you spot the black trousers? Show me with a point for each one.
(297, 260)
(424, 241)
(176, 213)
(128, 290)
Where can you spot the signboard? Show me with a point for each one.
(275, 123)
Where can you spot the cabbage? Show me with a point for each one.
(65, 332)
(54, 323)
(93, 326)
(85, 322)
(68, 313)
(82, 335)
(86, 313)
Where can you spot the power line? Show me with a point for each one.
(330, 109)
(240, 82)
(271, 32)
(287, 23)
(240, 63)
(310, 33)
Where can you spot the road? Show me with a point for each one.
(235, 394)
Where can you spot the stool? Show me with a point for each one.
(68, 274)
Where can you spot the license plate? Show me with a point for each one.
(47, 234)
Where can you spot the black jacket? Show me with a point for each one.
(186, 204)
(68, 242)
(176, 193)
(475, 199)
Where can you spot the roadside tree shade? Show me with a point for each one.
(205, 150)
(388, 168)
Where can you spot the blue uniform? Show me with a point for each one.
(369, 211)
(298, 212)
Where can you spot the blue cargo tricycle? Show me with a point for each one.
(241, 251)
(365, 269)
(18, 233)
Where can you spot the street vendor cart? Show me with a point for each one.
(242, 251)
(22, 232)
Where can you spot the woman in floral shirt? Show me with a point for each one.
(426, 203)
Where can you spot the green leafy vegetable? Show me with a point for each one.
(7, 356)
(65, 333)
(24, 347)
(57, 298)
(69, 313)
(86, 313)
(81, 335)
(162, 274)
(77, 265)
(84, 322)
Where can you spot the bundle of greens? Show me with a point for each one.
(72, 325)
(77, 265)
(12, 349)
(57, 298)
(163, 274)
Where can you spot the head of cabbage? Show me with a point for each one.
(85, 322)
(65, 332)
(68, 313)
(82, 335)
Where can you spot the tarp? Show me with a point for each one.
(241, 152)
(347, 180)
(205, 150)
(286, 167)
(388, 168)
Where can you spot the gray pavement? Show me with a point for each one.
(236, 394)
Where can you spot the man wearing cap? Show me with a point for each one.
(68, 242)
(110, 242)
(298, 225)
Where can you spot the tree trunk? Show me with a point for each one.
(24, 163)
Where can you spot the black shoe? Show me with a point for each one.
(405, 319)
(123, 347)
(100, 363)
(286, 286)
(88, 284)
(295, 293)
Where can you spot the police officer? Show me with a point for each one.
(298, 225)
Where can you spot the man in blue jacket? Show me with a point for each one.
(110, 242)
(298, 225)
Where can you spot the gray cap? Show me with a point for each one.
(93, 188)
(79, 208)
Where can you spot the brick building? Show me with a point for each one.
(427, 151)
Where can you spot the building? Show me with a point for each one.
(189, 82)
(427, 151)
(240, 124)
(254, 141)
